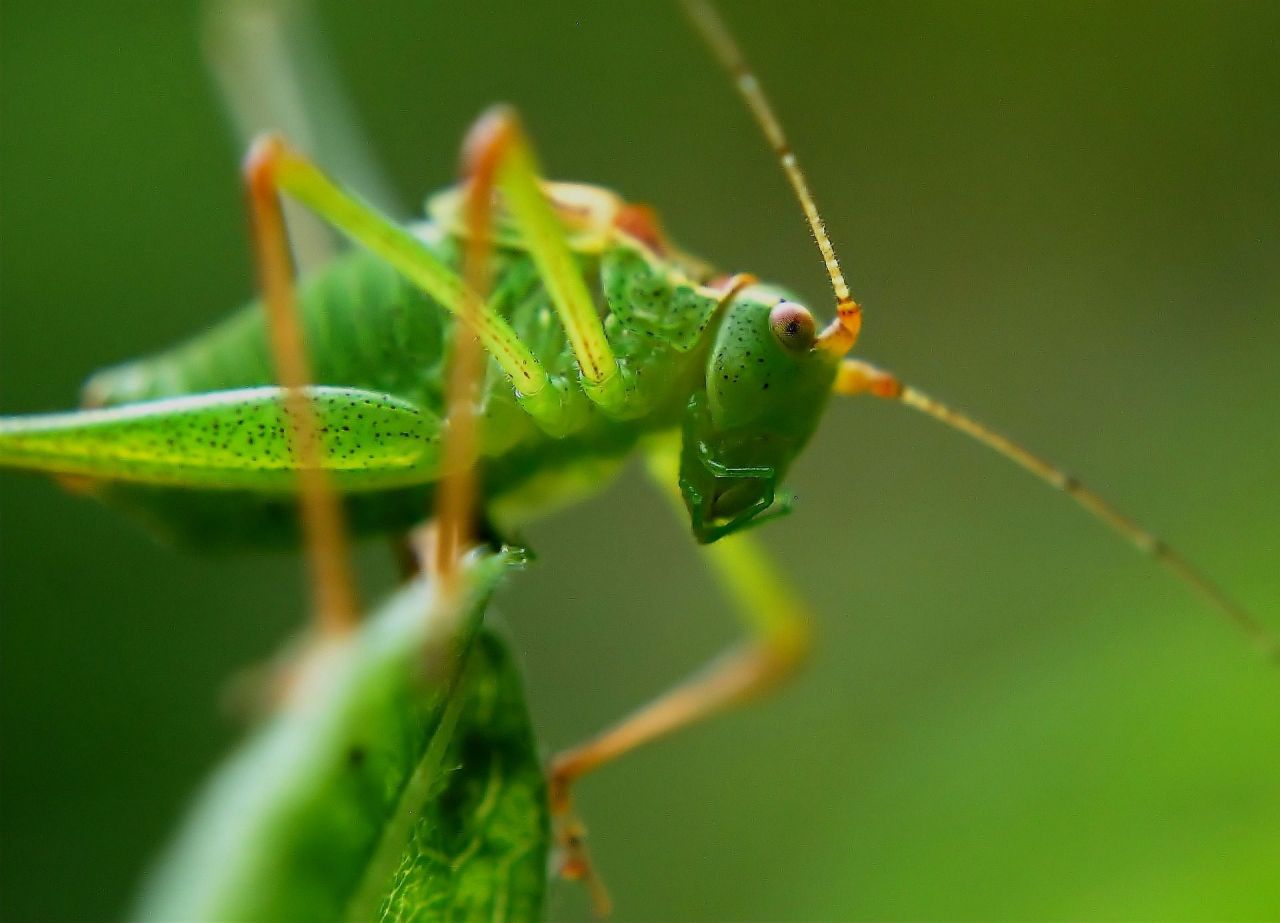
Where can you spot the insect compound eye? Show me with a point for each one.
(793, 325)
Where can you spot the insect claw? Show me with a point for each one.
(571, 861)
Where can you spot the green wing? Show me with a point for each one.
(227, 440)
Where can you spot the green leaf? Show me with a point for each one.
(399, 782)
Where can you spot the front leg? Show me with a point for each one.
(778, 639)
(497, 154)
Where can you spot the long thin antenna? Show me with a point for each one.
(856, 377)
(843, 332)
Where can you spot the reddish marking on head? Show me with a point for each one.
(729, 285)
(641, 222)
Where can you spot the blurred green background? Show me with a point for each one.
(1064, 217)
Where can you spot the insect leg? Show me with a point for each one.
(455, 502)
(496, 147)
(336, 607)
(778, 641)
(856, 377)
(285, 170)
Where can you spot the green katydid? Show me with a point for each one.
(737, 368)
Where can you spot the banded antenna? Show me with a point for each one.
(840, 336)
(857, 377)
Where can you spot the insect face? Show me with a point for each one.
(766, 387)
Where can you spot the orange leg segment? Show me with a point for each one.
(324, 531)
